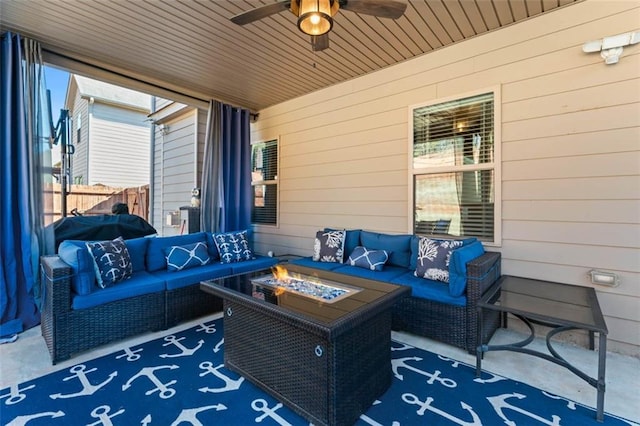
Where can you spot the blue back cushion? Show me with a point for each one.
(75, 254)
(156, 259)
(137, 251)
(398, 246)
(458, 266)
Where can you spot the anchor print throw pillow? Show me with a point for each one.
(233, 247)
(434, 257)
(329, 246)
(111, 261)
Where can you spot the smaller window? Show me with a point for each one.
(264, 181)
(79, 128)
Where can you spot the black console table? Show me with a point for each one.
(562, 307)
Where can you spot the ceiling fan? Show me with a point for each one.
(315, 17)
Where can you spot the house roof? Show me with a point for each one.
(192, 48)
(109, 93)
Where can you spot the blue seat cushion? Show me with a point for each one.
(156, 259)
(260, 262)
(429, 289)
(310, 263)
(140, 283)
(398, 246)
(187, 277)
(387, 274)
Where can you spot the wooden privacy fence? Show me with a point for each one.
(96, 200)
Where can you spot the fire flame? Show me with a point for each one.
(280, 273)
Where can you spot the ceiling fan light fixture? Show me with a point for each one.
(314, 17)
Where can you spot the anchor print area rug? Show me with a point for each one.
(181, 380)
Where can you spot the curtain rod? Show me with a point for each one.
(69, 62)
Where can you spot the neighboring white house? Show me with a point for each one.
(177, 150)
(110, 132)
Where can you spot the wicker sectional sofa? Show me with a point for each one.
(78, 315)
(435, 309)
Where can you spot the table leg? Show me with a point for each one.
(602, 359)
(479, 352)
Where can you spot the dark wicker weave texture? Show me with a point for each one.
(280, 355)
(67, 331)
(451, 324)
(189, 302)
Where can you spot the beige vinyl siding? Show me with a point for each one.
(119, 151)
(175, 172)
(569, 146)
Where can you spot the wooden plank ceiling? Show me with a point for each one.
(192, 45)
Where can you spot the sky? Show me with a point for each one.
(56, 81)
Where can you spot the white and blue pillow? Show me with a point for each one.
(187, 256)
(329, 246)
(434, 257)
(373, 260)
(111, 261)
(233, 247)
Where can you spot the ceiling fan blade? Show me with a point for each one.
(320, 42)
(260, 12)
(381, 8)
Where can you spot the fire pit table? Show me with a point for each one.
(317, 341)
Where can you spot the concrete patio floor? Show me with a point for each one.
(28, 358)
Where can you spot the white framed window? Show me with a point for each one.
(264, 182)
(455, 167)
(79, 128)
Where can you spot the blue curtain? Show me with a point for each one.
(226, 176)
(19, 168)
